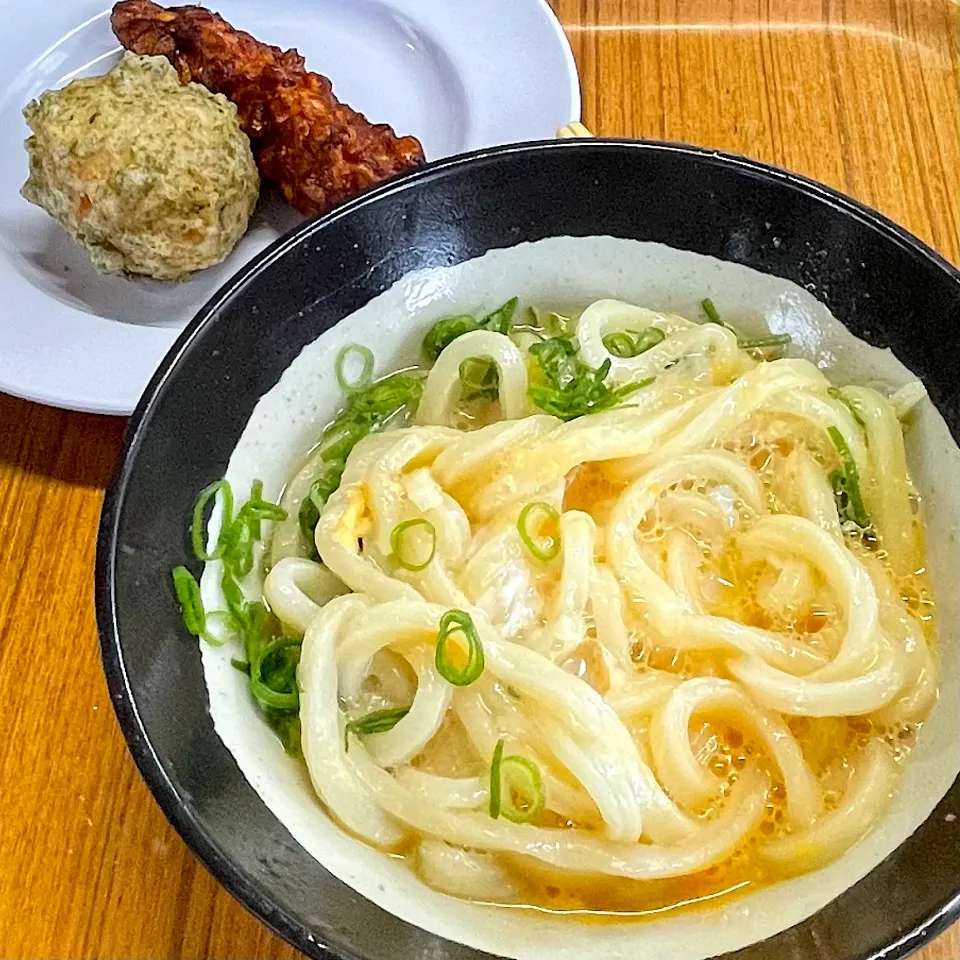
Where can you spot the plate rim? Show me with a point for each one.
(177, 809)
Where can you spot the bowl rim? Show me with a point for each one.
(176, 808)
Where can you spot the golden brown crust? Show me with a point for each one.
(317, 150)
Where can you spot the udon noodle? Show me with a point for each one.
(611, 625)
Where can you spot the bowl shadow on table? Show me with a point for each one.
(47, 258)
(78, 449)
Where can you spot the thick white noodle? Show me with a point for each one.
(641, 695)
(484, 730)
(919, 692)
(730, 408)
(907, 397)
(296, 589)
(867, 796)
(606, 605)
(322, 725)
(485, 450)
(384, 487)
(814, 493)
(663, 605)
(464, 873)
(803, 697)
(688, 339)
(783, 535)
(885, 483)
(578, 851)
(457, 793)
(631, 432)
(689, 782)
(444, 379)
(446, 515)
(678, 613)
(683, 560)
(823, 413)
(706, 517)
(792, 591)
(418, 727)
(566, 628)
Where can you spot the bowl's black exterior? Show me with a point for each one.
(885, 285)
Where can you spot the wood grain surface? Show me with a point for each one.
(861, 95)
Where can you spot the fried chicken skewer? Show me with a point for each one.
(317, 150)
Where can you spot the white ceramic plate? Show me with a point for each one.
(458, 74)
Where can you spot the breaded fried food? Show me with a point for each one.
(153, 177)
(317, 150)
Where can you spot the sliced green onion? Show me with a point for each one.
(516, 787)
(522, 793)
(400, 543)
(839, 395)
(316, 499)
(326, 484)
(557, 360)
(236, 601)
(631, 343)
(554, 324)
(249, 513)
(221, 627)
(376, 405)
(627, 344)
(501, 319)
(237, 542)
(188, 596)
(366, 373)
(710, 310)
(258, 626)
(444, 332)
(263, 688)
(307, 517)
(380, 721)
(453, 622)
(495, 782)
(237, 536)
(767, 343)
(849, 481)
(286, 725)
(479, 379)
(565, 387)
(197, 528)
(262, 509)
(313, 503)
(620, 344)
(564, 326)
(552, 547)
(648, 339)
(340, 438)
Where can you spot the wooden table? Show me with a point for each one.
(861, 94)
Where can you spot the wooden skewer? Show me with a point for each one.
(572, 130)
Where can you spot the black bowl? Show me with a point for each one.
(885, 285)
